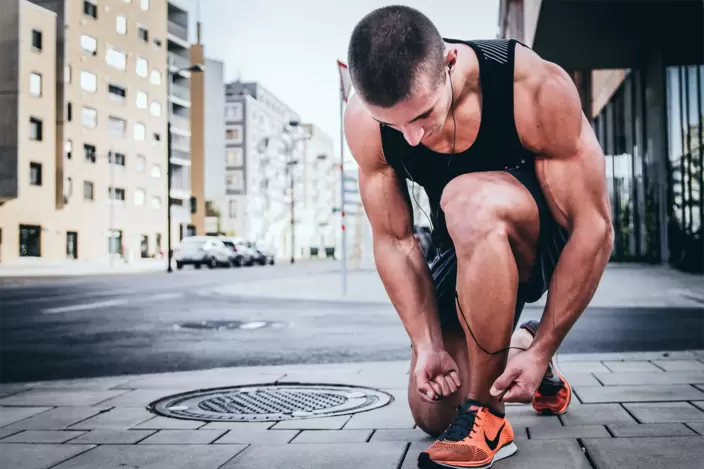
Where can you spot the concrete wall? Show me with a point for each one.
(198, 138)
(9, 70)
(214, 130)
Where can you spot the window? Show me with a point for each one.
(156, 171)
(89, 44)
(144, 4)
(155, 109)
(90, 8)
(116, 193)
(234, 134)
(155, 77)
(139, 197)
(143, 33)
(68, 189)
(36, 129)
(234, 112)
(157, 42)
(115, 242)
(142, 67)
(117, 159)
(69, 112)
(67, 74)
(139, 131)
(35, 174)
(89, 152)
(89, 117)
(117, 126)
(141, 163)
(157, 136)
(68, 149)
(232, 208)
(234, 156)
(87, 190)
(142, 99)
(89, 82)
(233, 181)
(35, 84)
(116, 58)
(36, 40)
(30, 241)
(156, 203)
(116, 92)
(121, 25)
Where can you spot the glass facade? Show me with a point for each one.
(621, 129)
(685, 108)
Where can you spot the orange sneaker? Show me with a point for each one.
(477, 438)
(554, 394)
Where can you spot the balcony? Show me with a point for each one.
(180, 122)
(179, 142)
(178, 61)
(180, 92)
(177, 30)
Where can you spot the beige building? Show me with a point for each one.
(84, 165)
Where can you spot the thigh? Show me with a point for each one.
(434, 418)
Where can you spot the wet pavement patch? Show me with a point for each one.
(228, 325)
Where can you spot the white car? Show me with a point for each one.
(202, 250)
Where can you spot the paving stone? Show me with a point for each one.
(573, 431)
(140, 397)
(42, 436)
(650, 378)
(266, 437)
(700, 387)
(697, 427)
(650, 430)
(59, 397)
(164, 423)
(328, 423)
(581, 367)
(113, 437)
(665, 412)
(395, 415)
(10, 415)
(154, 457)
(525, 416)
(116, 419)
(581, 379)
(653, 453)
(698, 404)
(5, 432)
(593, 394)
(680, 365)
(333, 436)
(202, 381)
(596, 414)
(618, 367)
(243, 426)
(29, 456)
(415, 434)
(321, 456)
(94, 383)
(183, 437)
(56, 419)
(555, 454)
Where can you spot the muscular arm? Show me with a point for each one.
(571, 170)
(399, 259)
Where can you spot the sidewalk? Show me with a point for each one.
(77, 268)
(631, 411)
(627, 285)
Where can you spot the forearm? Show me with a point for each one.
(406, 277)
(574, 282)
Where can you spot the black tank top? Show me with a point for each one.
(496, 148)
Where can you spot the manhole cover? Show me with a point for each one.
(227, 325)
(270, 402)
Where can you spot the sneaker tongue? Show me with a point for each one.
(471, 406)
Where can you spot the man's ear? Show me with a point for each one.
(451, 58)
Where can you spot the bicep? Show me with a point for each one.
(386, 203)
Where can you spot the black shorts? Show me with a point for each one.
(550, 244)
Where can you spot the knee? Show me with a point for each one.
(433, 425)
(472, 213)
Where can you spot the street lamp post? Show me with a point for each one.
(192, 68)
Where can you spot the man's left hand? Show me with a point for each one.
(521, 378)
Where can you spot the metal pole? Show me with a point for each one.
(342, 197)
(112, 208)
(293, 205)
(169, 269)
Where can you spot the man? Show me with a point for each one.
(516, 183)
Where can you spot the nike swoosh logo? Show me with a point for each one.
(492, 444)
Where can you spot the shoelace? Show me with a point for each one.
(462, 427)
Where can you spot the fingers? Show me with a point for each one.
(503, 382)
(517, 394)
(427, 394)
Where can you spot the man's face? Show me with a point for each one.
(422, 115)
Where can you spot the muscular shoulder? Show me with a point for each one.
(363, 136)
(547, 106)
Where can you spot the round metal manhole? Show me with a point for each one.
(228, 325)
(270, 402)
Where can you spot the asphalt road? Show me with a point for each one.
(146, 323)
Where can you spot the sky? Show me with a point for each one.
(292, 47)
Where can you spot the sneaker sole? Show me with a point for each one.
(569, 389)
(424, 461)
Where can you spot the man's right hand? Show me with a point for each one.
(436, 375)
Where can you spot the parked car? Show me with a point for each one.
(264, 253)
(241, 254)
(202, 250)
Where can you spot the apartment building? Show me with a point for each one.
(259, 165)
(83, 167)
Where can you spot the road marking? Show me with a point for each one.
(84, 306)
(162, 296)
(253, 325)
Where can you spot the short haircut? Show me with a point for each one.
(389, 49)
